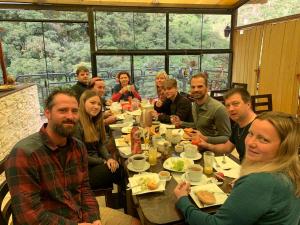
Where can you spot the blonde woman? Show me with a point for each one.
(103, 169)
(268, 190)
(160, 77)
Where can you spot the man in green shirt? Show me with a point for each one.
(209, 115)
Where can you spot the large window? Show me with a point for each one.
(271, 9)
(47, 52)
(44, 53)
(127, 30)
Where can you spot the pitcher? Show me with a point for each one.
(146, 117)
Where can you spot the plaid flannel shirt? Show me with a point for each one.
(42, 192)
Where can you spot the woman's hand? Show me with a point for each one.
(182, 189)
(158, 103)
(123, 90)
(112, 164)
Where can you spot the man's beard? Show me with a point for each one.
(197, 96)
(63, 131)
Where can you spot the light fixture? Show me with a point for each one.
(227, 31)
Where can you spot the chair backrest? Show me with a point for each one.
(218, 94)
(239, 85)
(261, 103)
(5, 203)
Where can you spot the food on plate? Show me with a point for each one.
(152, 184)
(127, 138)
(206, 197)
(178, 165)
(7, 87)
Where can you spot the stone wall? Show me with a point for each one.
(19, 117)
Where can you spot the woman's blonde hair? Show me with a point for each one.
(161, 74)
(286, 160)
(93, 128)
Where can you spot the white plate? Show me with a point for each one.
(203, 180)
(120, 142)
(197, 157)
(170, 162)
(126, 130)
(130, 167)
(117, 126)
(219, 194)
(135, 113)
(139, 183)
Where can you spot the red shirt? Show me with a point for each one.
(42, 191)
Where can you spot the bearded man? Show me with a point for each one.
(210, 116)
(47, 172)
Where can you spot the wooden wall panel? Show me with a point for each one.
(281, 43)
(246, 52)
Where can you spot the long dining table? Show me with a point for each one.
(159, 207)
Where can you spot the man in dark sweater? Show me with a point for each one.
(175, 105)
(82, 75)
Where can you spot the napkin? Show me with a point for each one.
(125, 150)
(139, 183)
(229, 169)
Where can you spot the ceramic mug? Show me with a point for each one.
(194, 173)
(138, 161)
(190, 151)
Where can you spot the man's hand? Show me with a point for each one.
(176, 121)
(158, 103)
(110, 120)
(182, 189)
(112, 164)
(154, 115)
(198, 135)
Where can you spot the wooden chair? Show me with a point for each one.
(107, 193)
(5, 204)
(218, 94)
(239, 85)
(261, 103)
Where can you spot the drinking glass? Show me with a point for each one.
(209, 158)
(152, 156)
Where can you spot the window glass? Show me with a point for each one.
(271, 9)
(150, 30)
(42, 14)
(114, 30)
(130, 30)
(146, 68)
(216, 65)
(46, 54)
(108, 68)
(185, 31)
(182, 67)
(213, 32)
